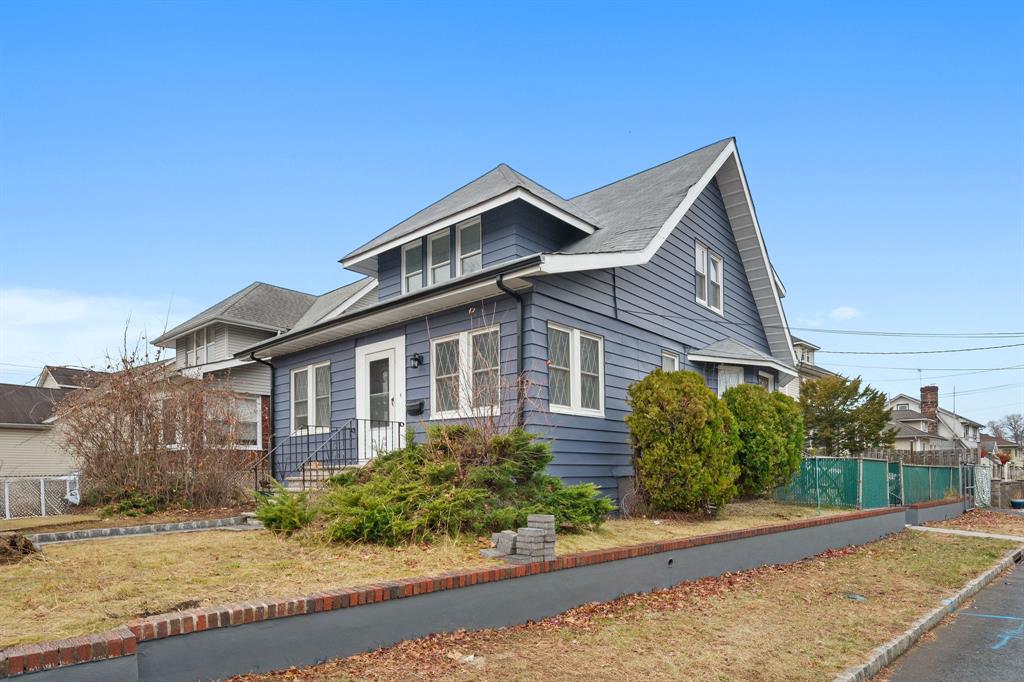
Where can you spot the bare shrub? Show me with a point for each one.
(147, 437)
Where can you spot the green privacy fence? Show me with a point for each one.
(863, 483)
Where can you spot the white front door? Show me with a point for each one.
(380, 396)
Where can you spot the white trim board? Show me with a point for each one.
(727, 169)
(725, 360)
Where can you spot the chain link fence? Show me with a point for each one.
(22, 496)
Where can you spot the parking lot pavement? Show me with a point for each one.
(985, 641)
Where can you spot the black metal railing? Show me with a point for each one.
(315, 454)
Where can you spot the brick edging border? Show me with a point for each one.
(123, 641)
(896, 647)
(936, 503)
(121, 531)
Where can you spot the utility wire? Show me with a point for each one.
(916, 352)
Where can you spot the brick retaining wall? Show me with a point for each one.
(206, 643)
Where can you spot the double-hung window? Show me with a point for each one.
(669, 361)
(465, 374)
(412, 267)
(311, 397)
(469, 246)
(728, 377)
(248, 413)
(575, 371)
(708, 277)
(439, 250)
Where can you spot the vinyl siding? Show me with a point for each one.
(26, 452)
(239, 338)
(254, 378)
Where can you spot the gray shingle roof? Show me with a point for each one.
(259, 304)
(331, 300)
(734, 350)
(73, 376)
(489, 185)
(28, 404)
(907, 431)
(907, 415)
(631, 211)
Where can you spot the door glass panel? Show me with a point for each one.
(380, 390)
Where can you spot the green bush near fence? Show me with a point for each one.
(867, 483)
(771, 432)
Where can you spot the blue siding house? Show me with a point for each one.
(507, 303)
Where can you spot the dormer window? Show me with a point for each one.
(903, 406)
(439, 250)
(199, 347)
(412, 267)
(469, 246)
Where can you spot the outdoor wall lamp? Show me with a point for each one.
(415, 360)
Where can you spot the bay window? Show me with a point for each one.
(575, 371)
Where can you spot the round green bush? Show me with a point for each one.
(770, 429)
(684, 442)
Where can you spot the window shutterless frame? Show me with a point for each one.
(309, 398)
(412, 280)
(443, 266)
(669, 361)
(465, 373)
(767, 380)
(468, 251)
(709, 278)
(576, 373)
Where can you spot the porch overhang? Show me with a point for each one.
(474, 288)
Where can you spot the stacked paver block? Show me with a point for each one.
(534, 543)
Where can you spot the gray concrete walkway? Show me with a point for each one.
(984, 641)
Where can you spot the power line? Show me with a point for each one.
(930, 369)
(916, 352)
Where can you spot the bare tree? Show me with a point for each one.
(995, 428)
(145, 430)
(1012, 427)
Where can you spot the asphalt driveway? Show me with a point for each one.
(985, 641)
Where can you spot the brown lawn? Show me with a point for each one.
(80, 587)
(793, 622)
(986, 521)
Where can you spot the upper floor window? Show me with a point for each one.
(439, 250)
(412, 267)
(311, 397)
(902, 406)
(199, 347)
(575, 371)
(469, 246)
(708, 277)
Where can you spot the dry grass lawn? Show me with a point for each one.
(86, 520)
(30, 523)
(986, 522)
(793, 622)
(81, 587)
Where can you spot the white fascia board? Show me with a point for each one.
(351, 300)
(725, 360)
(773, 317)
(500, 200)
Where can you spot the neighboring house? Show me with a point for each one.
(503, 279)
(206, 344)
(61, 376)
(941, 428)
(30, 442)
(996, 445)
(805, 366)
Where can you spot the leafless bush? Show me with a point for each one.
(145, 432)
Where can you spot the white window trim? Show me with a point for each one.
(770, 378)
(259, 422)
(408, 247)
(430, 256)
(729, 369)
(465, 374)
(458, 243)
(310, 398)
(709, 256)
(671, 356)
(575, 382)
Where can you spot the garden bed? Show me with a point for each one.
(826, 613)
(86, 586)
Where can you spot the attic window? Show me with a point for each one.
(708, 277)
(903, 406)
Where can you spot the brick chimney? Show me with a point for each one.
(930, 407)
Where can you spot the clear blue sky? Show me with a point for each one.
(159, 156)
